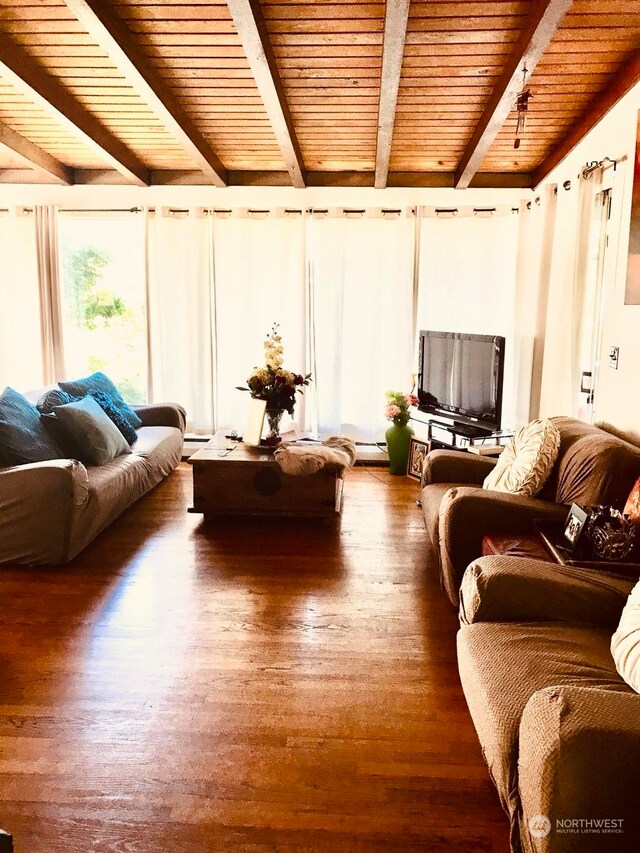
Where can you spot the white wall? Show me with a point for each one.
(617, 392)
(118, 196)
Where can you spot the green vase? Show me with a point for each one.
(398, 440)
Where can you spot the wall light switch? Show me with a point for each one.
(614, 353)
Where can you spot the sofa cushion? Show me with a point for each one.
(23, 437)
(503, 664)
(99, 382)
(527, 460)
(598, 469)
(625, 643)
(96, 437)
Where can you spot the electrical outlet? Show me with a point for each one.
(614, 353)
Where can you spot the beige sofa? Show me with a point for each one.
(50, 511)
(593, 467)
(559, 728)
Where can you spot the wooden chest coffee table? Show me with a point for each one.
(249, 481)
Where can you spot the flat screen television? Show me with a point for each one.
(461, 376)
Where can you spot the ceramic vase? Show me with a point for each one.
(398, 441)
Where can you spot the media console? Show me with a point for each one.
(452, 435)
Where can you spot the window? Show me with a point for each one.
(104, 306)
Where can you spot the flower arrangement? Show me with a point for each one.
(272, 382)
(397, 408)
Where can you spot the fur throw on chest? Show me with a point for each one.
(302, 459)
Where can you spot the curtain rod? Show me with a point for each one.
(594, 165)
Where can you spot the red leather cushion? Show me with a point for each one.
(509, 545)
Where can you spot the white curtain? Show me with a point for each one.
(466, 282)
(181, 314)
(259, 275)
(21, 364)
(46, 224)
(586, 296)
(527, 284)
(361, 277)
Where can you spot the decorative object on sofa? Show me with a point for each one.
(574, 527)
(55, 397)
(399, 434)
(275, 385)
(99, 382)
(92, 430)
(612, 536)
(632, 506)
(526, 461)
(625, 643)
(23, 434)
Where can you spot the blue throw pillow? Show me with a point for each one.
(106, 403)
(98, 439)
(99, 382)
(23, 437)
(54, 397)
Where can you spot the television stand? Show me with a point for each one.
(455, 436)
(471, 430)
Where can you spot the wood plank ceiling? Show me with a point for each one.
(286, 92)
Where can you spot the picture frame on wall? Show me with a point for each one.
(418, 450)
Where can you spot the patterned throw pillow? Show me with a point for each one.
(23, 437)
(54, 397)
(632, 506)
(525, 464)
(99, 382)
(106, 403)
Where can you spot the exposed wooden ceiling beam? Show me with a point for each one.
(526, 53)
(595, 112)
(113, 35)
(252, 30)
(34, 157)
(20, 69)
(395, 33)
(265, 178)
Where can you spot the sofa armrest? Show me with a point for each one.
(468, 513)
(516, 589)
(452, 466)
(162, 414)
(580, 761)
(37, 507)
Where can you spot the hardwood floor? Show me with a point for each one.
(253, 685)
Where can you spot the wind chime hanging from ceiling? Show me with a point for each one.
(522, 107)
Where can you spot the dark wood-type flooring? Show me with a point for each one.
(256, 685)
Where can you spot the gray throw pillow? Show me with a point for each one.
(95, 435)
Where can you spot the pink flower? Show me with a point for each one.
(411, 399)
(391, 411)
